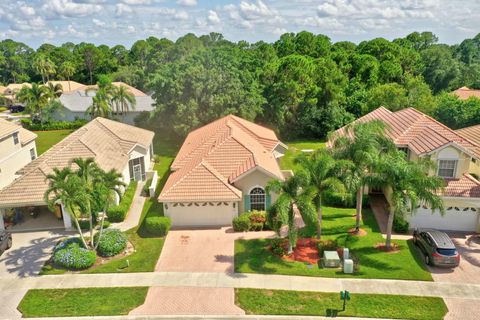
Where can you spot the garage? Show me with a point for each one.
(455, 218)
(201, 214)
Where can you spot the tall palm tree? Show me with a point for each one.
(67, 70)
(101, 104)
(409, 185)
(43, 66)
(123, 99)
(293, 195)
(363, 144)
(35, 98)
(54, 91)
(323, 172)
(67, 188)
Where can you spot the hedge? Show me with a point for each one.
(118, 213)
(400, 225)
(250, 221)
(241, 223)
(112, 242)
(56, 125)
(71, 254)
(158, 225)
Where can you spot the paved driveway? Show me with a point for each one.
(202, 250)
(29, 252)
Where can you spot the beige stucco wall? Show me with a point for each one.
(7, 146)
(452, 153)
(15, 160)
(256, 178)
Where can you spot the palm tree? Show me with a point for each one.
(363, 144)
(43, 66)
(323, 172)
(35, 97)
(67, 188)
(101, 104)
(123, 99)
(292, 196)
(409, 185)
(54, 91)
(67, 70)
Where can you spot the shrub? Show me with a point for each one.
(258, 220)
(112, 242)
(158, 225)
(106, 224)
(53, 125)
(71, 254)
(241, 223)
(326, 245)
(84, 224)
(400, 225)
(118, 213)
(146, 187)
(348, 200)
(3, 109)
(278, 246)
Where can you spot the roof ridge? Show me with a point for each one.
(234, 118)
(218, 175)
(448, 129)
(116, 135)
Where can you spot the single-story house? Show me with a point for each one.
(222, 170)
(112, 144)
(17, 149)
(457, 156)
(76, 102)
(464, 93)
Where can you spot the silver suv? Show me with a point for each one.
(437, 248)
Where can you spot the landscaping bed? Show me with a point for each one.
(281, 302)
(254, 256)
(81, 302)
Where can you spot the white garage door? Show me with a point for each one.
(197, 216)
(463, 219)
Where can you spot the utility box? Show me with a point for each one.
(347, 266)
(346, 254)
(331, 259)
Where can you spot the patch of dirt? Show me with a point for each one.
(393, 248)
(361, 232)
(305, 251)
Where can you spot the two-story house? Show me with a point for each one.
(457, 158)
(17, 149)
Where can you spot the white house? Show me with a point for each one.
(17, 149)
(112, 144)
(220, 171)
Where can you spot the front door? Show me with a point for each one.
(137, 172)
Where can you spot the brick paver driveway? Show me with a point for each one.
(467, 272)
(200, 250)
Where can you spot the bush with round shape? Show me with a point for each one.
(112, 242)
(158, 226)
(241, 223)
(71, 255)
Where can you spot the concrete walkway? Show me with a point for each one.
(135, 212)
(379, 207)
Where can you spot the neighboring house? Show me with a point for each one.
(456, 156)
(464, 93)
(112, 144)
(17, 149)
(220, 171)
(9, 92)
(77, 101)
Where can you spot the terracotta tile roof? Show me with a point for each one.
(464, 93)
(213, 156)
(7, 128)
(467, 186)
(108, 141)
(421, 133)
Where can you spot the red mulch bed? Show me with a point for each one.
(306, 251)
(393, 248)
(361, 232)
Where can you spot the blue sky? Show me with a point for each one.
(125, 21)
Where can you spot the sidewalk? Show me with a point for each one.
(135, 212)
(213, 317)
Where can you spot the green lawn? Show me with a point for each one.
(46, 139)
(295, 148)
(279, 302)
(252, 256)
(81, 302)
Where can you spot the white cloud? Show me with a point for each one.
(213, 17)
(252, 11)
(98, 23)
(136, 2)
(131, 29)
(70, 8)
(181, 15)
(27, 10)
(187, 3)
(121, 9)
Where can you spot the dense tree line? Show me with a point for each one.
(304, 85)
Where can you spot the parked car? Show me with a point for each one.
(437, 248)
(16, 108)
(5, 241)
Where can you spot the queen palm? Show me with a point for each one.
(101, 104)
(35, 98)
(43, 66)
(293, 195)
(409, 185)
(323, 172)
(67, 70)
(362, 143)
(68, 189)
(54, 91)
(123, 99)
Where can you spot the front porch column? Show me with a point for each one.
(67, 220)
(2, 225)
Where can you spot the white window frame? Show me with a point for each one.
(258, 202)
(454, 174)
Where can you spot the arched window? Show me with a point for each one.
(257, 199)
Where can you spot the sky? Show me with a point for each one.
(125, 21)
